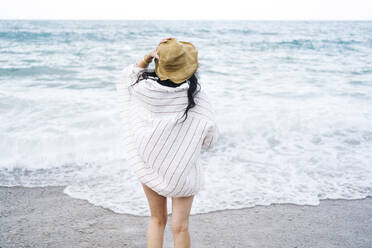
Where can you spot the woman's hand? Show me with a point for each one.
(153, 54)
(147, 59)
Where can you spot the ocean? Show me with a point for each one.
(293, 101)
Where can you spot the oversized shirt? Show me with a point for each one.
(162, 149)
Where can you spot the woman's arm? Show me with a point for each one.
(147, 59)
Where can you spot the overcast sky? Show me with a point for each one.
(190, 9)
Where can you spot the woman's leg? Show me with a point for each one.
(181, 207)
(158, 219)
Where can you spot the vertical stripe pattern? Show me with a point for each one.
(162, 151)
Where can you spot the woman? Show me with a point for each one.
(168, 120)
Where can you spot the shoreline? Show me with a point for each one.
(47, 217)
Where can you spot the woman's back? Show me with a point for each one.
(163, 148)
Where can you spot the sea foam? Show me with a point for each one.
(293, 103)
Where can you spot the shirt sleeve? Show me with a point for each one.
(212, 133)
(129, 75)
(211, 137)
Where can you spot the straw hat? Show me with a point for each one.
(178, 60)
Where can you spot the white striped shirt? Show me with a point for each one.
(161, 151)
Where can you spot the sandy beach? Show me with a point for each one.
(293, 105)
(46, 217)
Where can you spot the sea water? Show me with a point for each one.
(293, 102)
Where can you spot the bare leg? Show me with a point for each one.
(158, 219)
(181, 207)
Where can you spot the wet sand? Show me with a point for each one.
(46, 217)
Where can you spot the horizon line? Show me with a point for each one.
(70, 19)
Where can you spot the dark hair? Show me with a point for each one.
(194, 87)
